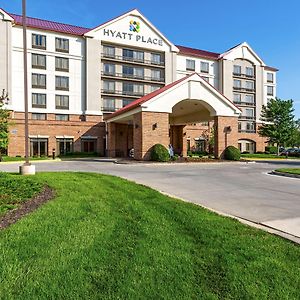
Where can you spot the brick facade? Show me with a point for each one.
(93, 126)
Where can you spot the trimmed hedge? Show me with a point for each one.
(159, 153)
(232, 153)
(271, 149)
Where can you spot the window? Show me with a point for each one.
(190, 65)
(249, 113)
(108, 104)
(204, 67)
(38, 100)
(270, 91)
(133, 55)
(37, 116)
(62, 83)
(249, 72)
(62, 64)
(237, 70)
(133, 89)
(109, 69)
(239, 126)
(62, 45)
(38, 147)
(62, 117)
(249, 85)
(156, 75)
(249, 99)
(108, 86)
(156, 59)
(88, 145)
(38, 81)
(38, 41)
(38, 61)
(237, 84)
(61, 102)
(126, 102)
(250, 127)
(237, 98)
(108, 51)
(154, 88)
(133, 72)
(270, 77)
(64, 146)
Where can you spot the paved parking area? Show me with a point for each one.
(244, 190)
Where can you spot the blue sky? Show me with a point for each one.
(272, 28)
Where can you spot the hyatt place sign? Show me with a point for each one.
(132, 37)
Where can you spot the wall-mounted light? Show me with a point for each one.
(227, 129)
(154, 126)
(136, 126)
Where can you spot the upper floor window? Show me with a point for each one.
(38, 81)
(62, 64)
(108, 104)
(109, 69)
(249, 112)
(38, 41)
(249, 85)
(270, 77)
(61, 102)
(125, 102)
(38, 61)
(190, 65)
(38, 100)
(237, 83)
(204, 67)
(108, 51)
(62, 117)
(237, 70)
(133, 89)
(109, 86)
(38, 116)
(237, 98)
(205, 78)
(156, 75)
(133, 55)
(133, 72)
(154, 88)
(249, 71)
(270, 91)
(156, 58)
(62, 83)
(62, 45)
(249, 98)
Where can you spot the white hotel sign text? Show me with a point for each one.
(132, 37)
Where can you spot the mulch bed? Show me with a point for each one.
(26, 207)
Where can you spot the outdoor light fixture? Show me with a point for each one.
(136, 126)
(4, 97)
(154, 126)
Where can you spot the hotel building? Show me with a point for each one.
(124, 85)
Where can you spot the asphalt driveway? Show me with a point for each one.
(244, 190)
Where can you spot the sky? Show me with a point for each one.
(271, 27)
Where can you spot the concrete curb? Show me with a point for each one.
(31, 161)
(285, 174)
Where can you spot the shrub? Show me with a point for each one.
(232, 153)
(271, 149)
(159, 153)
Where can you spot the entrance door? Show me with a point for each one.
(89, 146)
(38, 147)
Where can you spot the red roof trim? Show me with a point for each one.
(145, 98)
(197, 52)
(271, 69)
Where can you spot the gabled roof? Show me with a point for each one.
(50, 25)
(197, 52)
(138, 103)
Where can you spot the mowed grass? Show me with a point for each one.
(103, 237)
(289, 170)
(15, 189)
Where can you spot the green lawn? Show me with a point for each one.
(14, 189)
(262, 155)
(107, 238)
(10, 158)
(291, 171)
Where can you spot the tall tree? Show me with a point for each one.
(4, 115)
(295, 139)
(278, 121)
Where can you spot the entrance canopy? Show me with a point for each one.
(189, 99)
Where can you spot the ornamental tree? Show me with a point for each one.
(4, 115)
(278, 121)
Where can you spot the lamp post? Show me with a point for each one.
(26, 168)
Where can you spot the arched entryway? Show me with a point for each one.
(157, 116)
